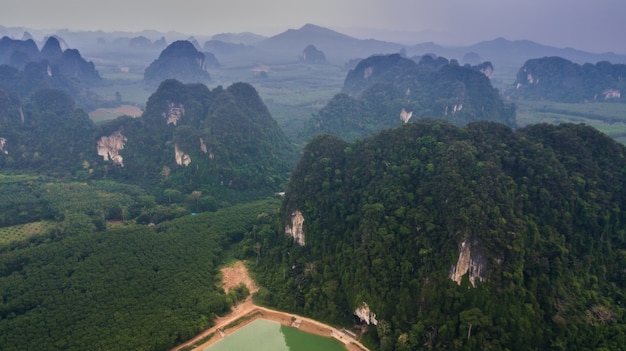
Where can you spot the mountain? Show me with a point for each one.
(388, 90)
(223, 141)
(441, 237)
(179, 60)
(310, 54)
(25, 70)
(17, 52)
(337, 47)
(66, 62)
(558, 79)
(513, 53)
(245, 38)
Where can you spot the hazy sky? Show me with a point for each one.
(593, 25)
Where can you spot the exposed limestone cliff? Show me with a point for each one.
(468, 262)
(203, 146)
(365, 314)
(405, 116)
(453, 109)
(612, 94)
(174, 113)
(368, 72)
(182, 159)
(3, 142)
(295, 228)
(110, 146)
(487, 71)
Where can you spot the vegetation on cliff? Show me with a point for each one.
(385, 91)
(535, 217)
(558, 79)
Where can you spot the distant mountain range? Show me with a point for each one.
(339, 48)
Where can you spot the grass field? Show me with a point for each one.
(609, 118)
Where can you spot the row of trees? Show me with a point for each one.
(130, 287)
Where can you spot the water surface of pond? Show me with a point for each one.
(265, 335)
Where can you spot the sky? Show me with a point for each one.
(591, 25)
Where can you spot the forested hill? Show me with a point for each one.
(179, 60)
(387, 90)
(47, 134)
(222, 141)
(445, 237)
(24, 70)
(558, 79)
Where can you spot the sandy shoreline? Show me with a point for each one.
(246, 312)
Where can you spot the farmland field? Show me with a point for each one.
(105, 114)
(23, 232)
(609, 118)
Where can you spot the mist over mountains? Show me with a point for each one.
(338, 47)
(420, 196)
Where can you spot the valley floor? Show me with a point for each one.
(246, 312)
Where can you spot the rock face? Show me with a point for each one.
(295, 228)
(182, 159)
(364, 313)
(468, 262)
(405, 115)
(109, 147)
(180, 60)
(174, 112)
(3, 142)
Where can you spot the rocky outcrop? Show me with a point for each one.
(203, 146)
(470, 261)
(109, 147)
(453, 109)
(364, 313)
(295, 227)
(3, 142)
(405, 116)
(173, 113)
(611, 94)
(182, 159)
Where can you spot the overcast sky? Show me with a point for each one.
(592, 25)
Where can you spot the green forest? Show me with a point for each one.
(385, 218)
(384, 91)
(127, 286)
(430, 220)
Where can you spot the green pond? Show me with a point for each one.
(264, 335)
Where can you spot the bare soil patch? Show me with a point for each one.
(237, 274)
